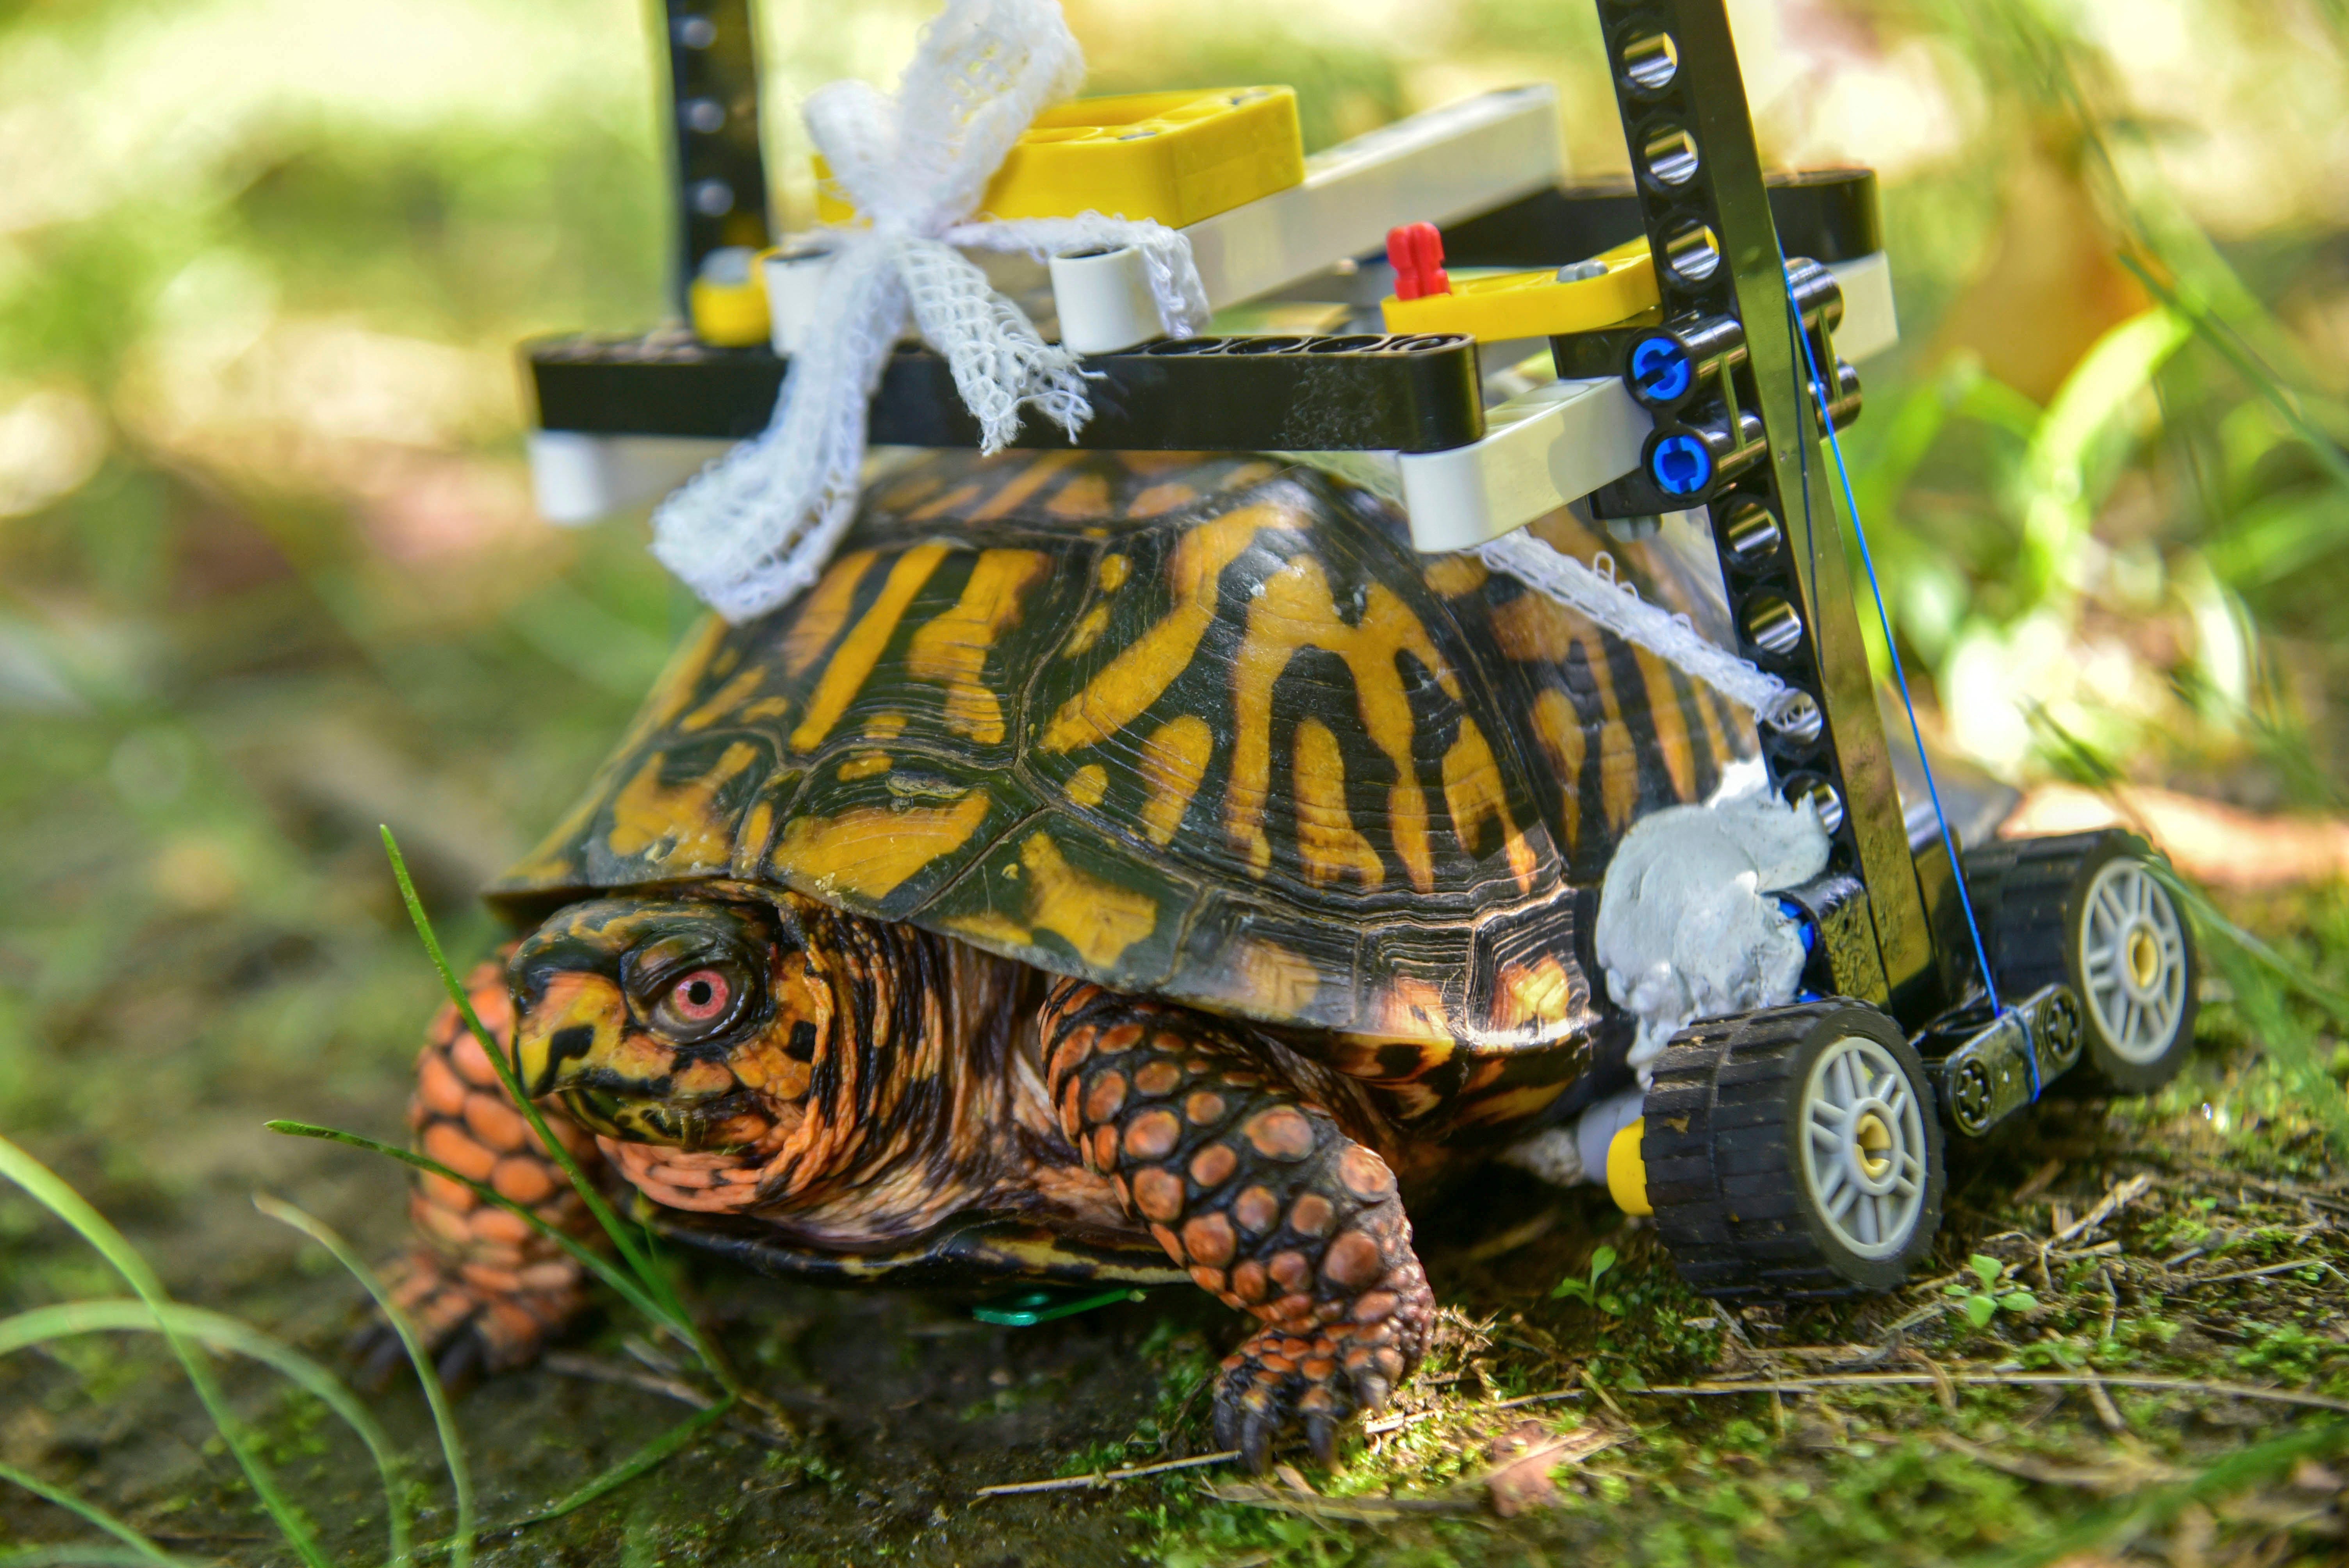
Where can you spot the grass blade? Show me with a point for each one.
(619, 1280)
(2292, 975)
(222, 1331)
(2261, 978)
(635, 1465)
(52, 1193)
(506, 1074)
(640, 1259)
(2063, 480)
(452, 1448)
(2320, 446)
(2094, 769)
(2157, 1506)
(619, 1475)
(140, 1548)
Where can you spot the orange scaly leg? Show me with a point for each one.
(486, 1289)
(1260, 1195)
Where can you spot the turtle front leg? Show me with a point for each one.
(1258, 1193)
(487, 1289)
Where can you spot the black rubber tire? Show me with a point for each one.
(1722, 1143)
(2031, 896)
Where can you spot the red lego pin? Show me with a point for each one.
(1415, 251)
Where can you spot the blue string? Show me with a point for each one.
(1860, 532)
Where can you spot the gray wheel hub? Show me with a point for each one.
(1863, 1147)
(2133, 961)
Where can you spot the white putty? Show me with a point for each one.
(1564, 1156)
(1687, 929)
(1551, 1155)
(1746, 776)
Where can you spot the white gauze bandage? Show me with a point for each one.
(756, 526)
(1616, 606)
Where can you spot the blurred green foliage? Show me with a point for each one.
(268, 575)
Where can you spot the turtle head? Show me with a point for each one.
(691, 1021)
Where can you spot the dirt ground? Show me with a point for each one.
(904, 1406)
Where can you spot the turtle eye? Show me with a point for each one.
(696, 1003)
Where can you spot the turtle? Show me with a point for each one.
(1118, 866)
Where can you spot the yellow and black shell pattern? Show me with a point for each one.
(1203, 728)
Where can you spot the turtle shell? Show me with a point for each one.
(1204, 727)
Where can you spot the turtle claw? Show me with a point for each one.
(1277, 1381)
(470, 1332)
(1256, 1446)
(1321, 1437)
(1246, 1417)
(464, 1361)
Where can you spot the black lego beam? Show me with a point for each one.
(721, 178)
(1719, 259)
(1359, 393)
(1827, 214)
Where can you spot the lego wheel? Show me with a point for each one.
(2090, 909)
(1792, 1152)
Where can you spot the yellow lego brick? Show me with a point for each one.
(1503, 305)
(1177, 157)
(729, 314)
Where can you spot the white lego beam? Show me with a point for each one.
(1871, 322)
(576, 477)
(1438, 166)
(1541, 449)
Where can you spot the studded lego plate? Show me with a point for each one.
(1176, 156)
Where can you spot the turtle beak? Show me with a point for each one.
(572, 1031)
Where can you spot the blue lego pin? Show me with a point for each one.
(1660, 371)
(1681, 465)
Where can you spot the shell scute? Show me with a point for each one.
(1232, 743)
(1057, 892)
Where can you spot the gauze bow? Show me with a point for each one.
(756, 526)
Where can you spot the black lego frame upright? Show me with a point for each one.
(721, 180)
(1675, 70)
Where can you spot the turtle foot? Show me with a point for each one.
(472, 1321)
(1258, 1191)
(483, 1287)
(1317, 1378)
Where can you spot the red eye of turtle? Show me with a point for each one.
(700, 997)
